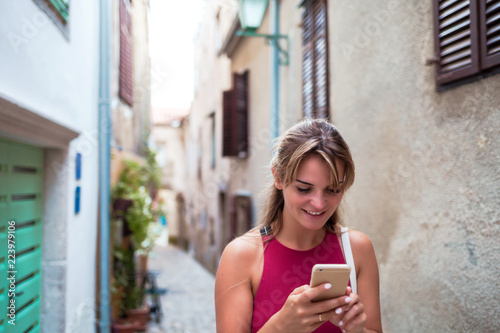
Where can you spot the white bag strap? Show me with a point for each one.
(346, 244)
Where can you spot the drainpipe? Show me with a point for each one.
(274, 16)
(104, 161)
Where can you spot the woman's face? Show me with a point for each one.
(310, 200)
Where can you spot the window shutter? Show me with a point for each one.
(241, 99)
(58, 12)
(456, 34)
(315, 59)
(489, 18)
(307, 63)
(229, 123)
(235, 118)
(321, 55)
(126, 85)
(62, 7)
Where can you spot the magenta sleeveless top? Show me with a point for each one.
(286, 269)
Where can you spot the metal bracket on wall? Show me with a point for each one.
(270, 40)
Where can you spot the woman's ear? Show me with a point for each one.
(277, 181)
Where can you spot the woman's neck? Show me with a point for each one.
(296, 237)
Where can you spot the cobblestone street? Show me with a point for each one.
(188, 306)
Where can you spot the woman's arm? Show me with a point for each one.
(233, 286)
(366, 308)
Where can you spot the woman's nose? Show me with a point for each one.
(318, 201)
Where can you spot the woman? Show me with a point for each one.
(262, 284)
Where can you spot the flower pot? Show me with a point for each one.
(140, 315)
(126, 326)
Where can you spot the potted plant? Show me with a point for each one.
(136, 309)
(134, 215)
(127, 291)
(123, 266)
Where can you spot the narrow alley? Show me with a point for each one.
(188, 305)
(127, 126)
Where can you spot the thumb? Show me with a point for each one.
(348, 291)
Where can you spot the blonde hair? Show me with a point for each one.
(310, 136)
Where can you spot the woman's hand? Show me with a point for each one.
(300, 315)
(350, 318)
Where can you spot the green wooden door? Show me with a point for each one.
(21, 182)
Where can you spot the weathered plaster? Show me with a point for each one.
(427, 168)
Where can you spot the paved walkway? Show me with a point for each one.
(188, 306)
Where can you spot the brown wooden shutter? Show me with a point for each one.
(241, 99)
(456, 34)
(307, 63)
(126, 91)
(235, 118)
(489, 19)
(228, 123)
(315, 59)
(321, 55)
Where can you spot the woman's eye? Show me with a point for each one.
(302, 189)
(334, 190)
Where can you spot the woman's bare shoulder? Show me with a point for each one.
(359, 239)
(243, 250)
(362, 246)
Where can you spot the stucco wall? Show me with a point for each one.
(142, 74)
(44, 70)
(427, 182)
(291, 75)
(57, 78)
(213, 76)
(254, 55)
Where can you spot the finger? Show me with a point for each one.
(335, 305)
(316, 291)
(336, 316)
(348, 291)
(356, 322)
(341, 309)
(330, 316)
(353, 312)
(354, 300)
(300, 290)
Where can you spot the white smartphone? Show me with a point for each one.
(335, 274)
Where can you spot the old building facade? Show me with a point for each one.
(420, 112)
(49, 151)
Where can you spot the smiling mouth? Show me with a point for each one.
(313, 213)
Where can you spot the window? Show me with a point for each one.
(467, 40)
(58, 11)
(235, 118)
(126, 84)
(315, 100)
